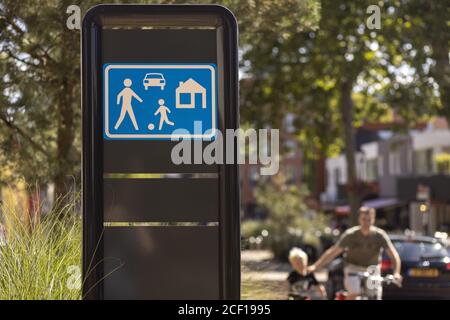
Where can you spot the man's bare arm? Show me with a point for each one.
(326, 258)
(395, 258)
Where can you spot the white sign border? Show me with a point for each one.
(160, 136)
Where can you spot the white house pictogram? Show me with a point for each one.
(189, 90)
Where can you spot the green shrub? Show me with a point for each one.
(252, 228)
(254, 234)
(443, 162)
(290, 222)
(41, 259)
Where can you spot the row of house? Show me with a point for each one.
(400, 178)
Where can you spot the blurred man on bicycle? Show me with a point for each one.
(361, 246)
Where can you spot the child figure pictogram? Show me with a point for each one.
(162, 111)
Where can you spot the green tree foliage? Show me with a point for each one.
(40, 92)
(40, 83)
(442, 161)
(418, 34)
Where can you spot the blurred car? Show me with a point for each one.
(154, 80)
(425, 268)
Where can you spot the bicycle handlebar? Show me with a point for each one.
(388, 279)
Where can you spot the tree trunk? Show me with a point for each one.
(65, 124)
(442, 75)
(440, 45)
(64, 142)
(346, 105)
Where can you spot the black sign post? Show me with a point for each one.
(155, 229)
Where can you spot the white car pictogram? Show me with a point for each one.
(154, 80)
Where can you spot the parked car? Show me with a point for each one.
(154, 80)
(425, 268)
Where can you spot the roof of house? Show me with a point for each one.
(190, 85)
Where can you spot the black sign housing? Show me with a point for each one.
(153, 229)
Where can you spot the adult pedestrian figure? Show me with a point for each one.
(127, 94)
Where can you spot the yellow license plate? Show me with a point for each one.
(428, 273)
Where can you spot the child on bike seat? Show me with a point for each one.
(299, 279)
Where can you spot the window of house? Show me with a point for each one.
(372, 169)
(380, 166)
(290, 174)
(185, 98)
(395, 167)
(430, 160)
(337, 176)
(410, 161)
(423, 162)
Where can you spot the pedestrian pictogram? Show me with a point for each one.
(126, 95)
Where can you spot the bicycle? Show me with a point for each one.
(369, 283)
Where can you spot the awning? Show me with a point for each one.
(379, 203)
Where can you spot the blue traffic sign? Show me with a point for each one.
(159, 101)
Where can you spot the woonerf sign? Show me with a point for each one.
(153, 101)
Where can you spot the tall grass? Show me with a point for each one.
(40, 258)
